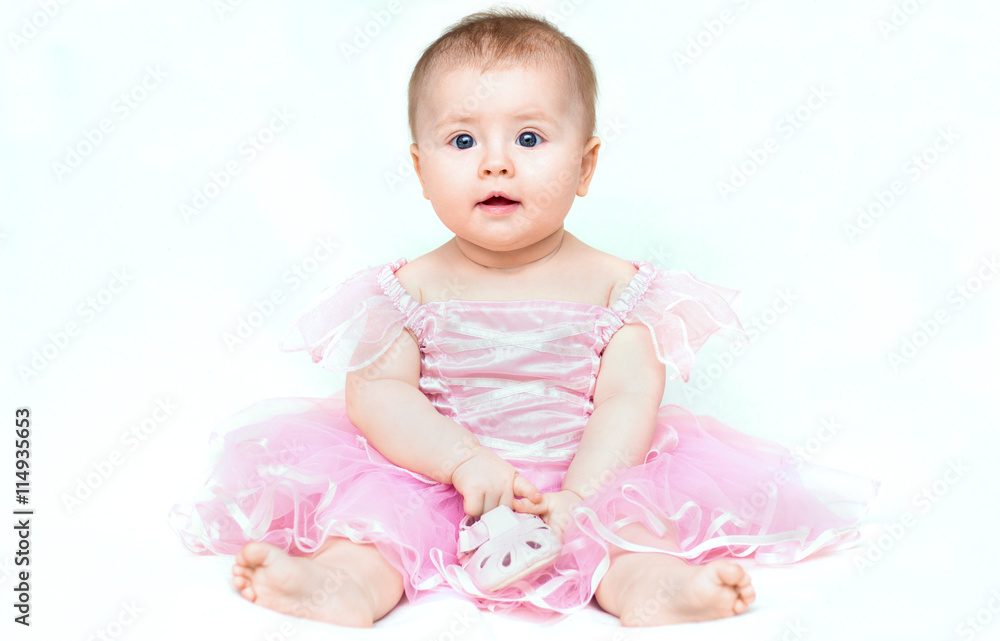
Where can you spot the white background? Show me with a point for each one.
(673, 128)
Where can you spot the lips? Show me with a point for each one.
(498, 204)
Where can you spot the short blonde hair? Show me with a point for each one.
(504, 37)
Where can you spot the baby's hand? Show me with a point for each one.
(485, 481)
(554, 508)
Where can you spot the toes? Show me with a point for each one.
(254, 554)
(730, 573)
(245, 588)
(736, 581)
(745, 596)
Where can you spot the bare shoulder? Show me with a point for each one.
(427, 277)
(611, 273)
(412, 275)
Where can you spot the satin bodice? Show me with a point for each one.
(520, 374)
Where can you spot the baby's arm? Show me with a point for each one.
(386, 404)
(621, 427)
(626, 400)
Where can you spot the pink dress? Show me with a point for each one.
(520, 374)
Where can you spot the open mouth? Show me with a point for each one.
(498, 201)
(498, 205)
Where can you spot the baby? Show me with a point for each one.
(512, 368)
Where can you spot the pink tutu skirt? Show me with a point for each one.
(298, 471)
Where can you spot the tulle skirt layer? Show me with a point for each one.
(296, 471)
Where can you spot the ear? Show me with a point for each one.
(588, 164)
(415, 156)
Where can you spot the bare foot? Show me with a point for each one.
(268, 576)
(666, 590)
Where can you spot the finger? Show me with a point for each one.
(524, 487)
(526, 506)
(473, 504)
(558, 521)
(490, 501)
(507, 497)
(554, 525)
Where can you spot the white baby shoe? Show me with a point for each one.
(503, 546)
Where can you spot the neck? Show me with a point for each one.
(515, 259)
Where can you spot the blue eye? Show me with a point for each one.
(464, 141)
(528, 139)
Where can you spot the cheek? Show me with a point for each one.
(555, 177)
(447, 187)
(555, 162)
(451, 168)
(436, 175)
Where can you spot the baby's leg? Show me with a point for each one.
(644, 589)
(344, 583)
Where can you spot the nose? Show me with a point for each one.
(496, 162)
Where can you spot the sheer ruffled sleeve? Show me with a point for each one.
(681, 313)
(350, 324)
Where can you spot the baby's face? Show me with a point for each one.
(518, 132)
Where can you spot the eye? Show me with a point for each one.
(529, 139)
(463, 141)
